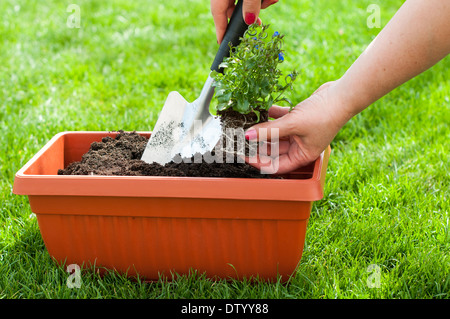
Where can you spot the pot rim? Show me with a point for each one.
(25, 183)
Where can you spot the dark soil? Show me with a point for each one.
(121, 156)
(231, 119)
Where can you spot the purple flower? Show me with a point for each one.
(280, 56)
(276, 33)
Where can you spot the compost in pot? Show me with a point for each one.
(121, 156)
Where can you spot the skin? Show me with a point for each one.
(221, 11)
(415, 39)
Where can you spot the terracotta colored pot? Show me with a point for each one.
(226, 227)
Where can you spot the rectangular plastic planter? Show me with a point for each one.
(226, 227)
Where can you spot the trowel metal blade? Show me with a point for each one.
(182, 128)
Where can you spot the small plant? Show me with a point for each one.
(250, 82)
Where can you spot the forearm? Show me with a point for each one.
(416, 38)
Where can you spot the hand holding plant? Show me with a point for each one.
(250, 83)
(303, 132)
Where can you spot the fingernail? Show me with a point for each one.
(250, 135)
(250, 18)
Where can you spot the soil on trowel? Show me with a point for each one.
(121, 156)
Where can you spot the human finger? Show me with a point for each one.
(269, 165)
(278, 111)
(250, 10)
(221, 11)
(274, 149)
(273, 130)
(268, 3)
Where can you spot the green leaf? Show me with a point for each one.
(269, 103)
(258, 115)
(250, 78)
(224, 97)
(223, 65)
(242, 106)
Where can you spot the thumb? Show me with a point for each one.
(250, 10)
(272, 130)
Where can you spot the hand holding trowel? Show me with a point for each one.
(189, 128)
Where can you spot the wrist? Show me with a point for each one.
(344, 101)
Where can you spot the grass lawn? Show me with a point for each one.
(386, 203)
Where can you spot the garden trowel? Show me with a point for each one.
(187, 129)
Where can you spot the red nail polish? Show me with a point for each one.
(250, 18)
(250, 135)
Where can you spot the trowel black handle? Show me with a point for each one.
(235, 30)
